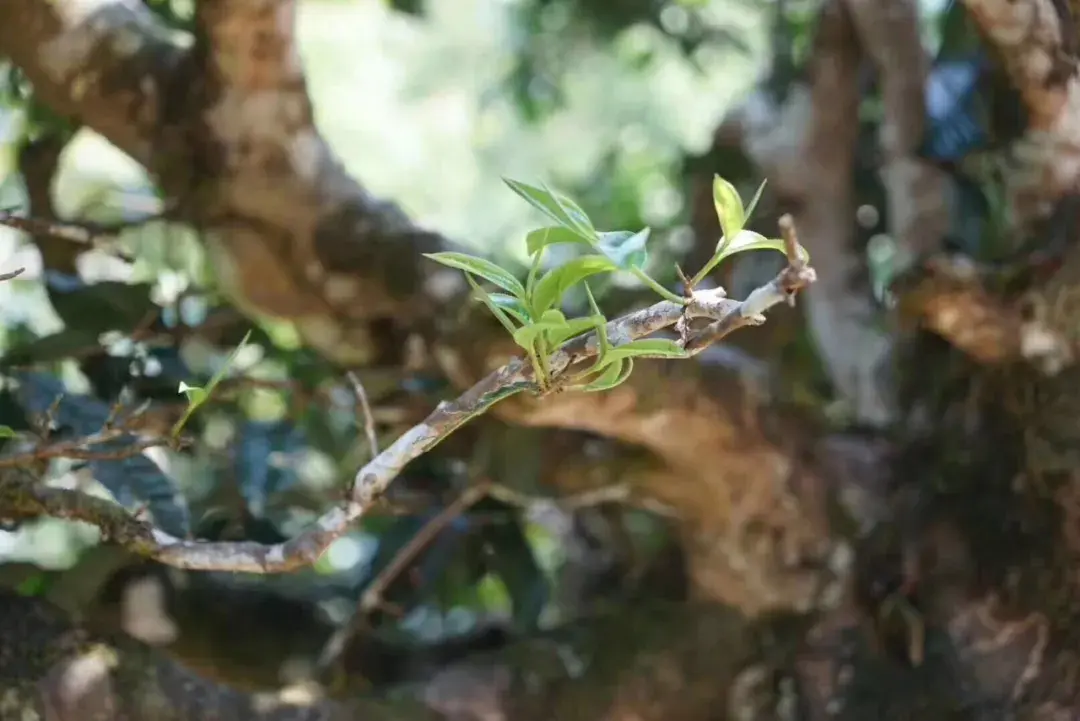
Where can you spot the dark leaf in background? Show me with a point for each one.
(510, 556)
(100, 307)
(72, 341)
(259, 473)
(133, 481)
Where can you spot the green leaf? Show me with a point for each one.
(541, 238)
(573, 327)
(613, 374)
(491, 305)
(729, 207)
(558, 207)
(553, 317)
(526, 335)
(749, 240)
(7, 432)
(651, 347)
(510, 304)
(754, 201)
(625, 249)
(481, 267)
(550, 289)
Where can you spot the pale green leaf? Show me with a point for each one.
(558, 207)
(625, 249)
(729, 207)
(7, 432)
(550, 289)
(543, 237)
(754, 201)
(481, 267)
(749, 240)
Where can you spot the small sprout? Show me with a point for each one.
(530, 312)
(197, 396)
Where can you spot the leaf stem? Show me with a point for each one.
(661, 290)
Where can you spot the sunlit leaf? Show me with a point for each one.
(729, 207)
(7, 432)
(551, 288)
(625, 249)
(558, 207)
(553, 235)
(749, 240)
(480, 267)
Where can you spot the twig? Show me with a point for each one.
(12, 274)
(81, 449)
(374, 477)
(369, 419)
(373, 595)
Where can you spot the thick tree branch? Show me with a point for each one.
(110, 64)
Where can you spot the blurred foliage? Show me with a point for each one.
(279, 440)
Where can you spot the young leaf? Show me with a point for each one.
(650, 347)
(625, 249)
(198, 396)
(510, 304)
(560, 209)
(552, 235)
(573, 327)
(729, 207)
(749, 240)
(491, 305)
(754, 201)
(7, 432)
(481, 267)
(550, 289)
(553, 317)
(614, 374)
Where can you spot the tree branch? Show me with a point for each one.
(374, 478)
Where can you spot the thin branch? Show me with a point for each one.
(12, 274)
(365, 408)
